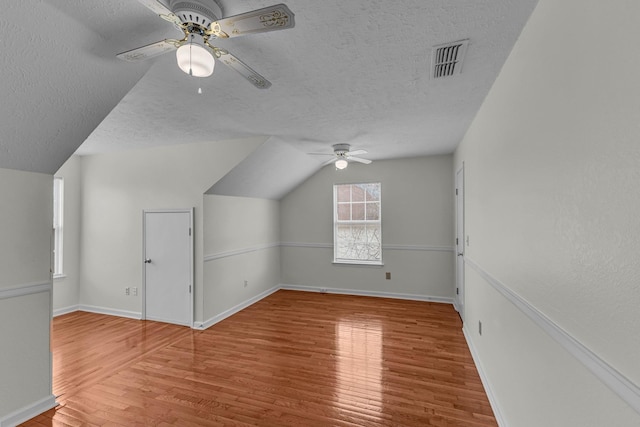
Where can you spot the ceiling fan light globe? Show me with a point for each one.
(195, 58)
(341, 164)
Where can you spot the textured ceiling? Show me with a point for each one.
(352, 71)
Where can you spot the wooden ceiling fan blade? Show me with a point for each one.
(359, 160)
(150, 50)
(356, 152)
(243, 69)
(271, 18)
(162, 11)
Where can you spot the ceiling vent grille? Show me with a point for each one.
(446, 59)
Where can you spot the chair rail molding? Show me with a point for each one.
(621, 385)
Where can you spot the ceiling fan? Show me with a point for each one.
(342, 156)
(201, 22)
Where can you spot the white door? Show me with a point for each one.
(459, 297)
(168, 266)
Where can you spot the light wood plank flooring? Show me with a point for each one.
(292, 359)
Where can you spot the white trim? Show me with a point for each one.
(392, 247)
(411, 297)
(306, 245)
(26, 289)
(242, 251)
(485, 380)
(28, 412)
(620, 384)
(459, 239)
(233, 310)
(456, 307)
(58, 227)
(418, 248)
(357, 263)
(66, 310)
(110, 311)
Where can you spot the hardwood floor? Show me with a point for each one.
(292, 359)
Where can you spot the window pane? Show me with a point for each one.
(358, 243)
(343, 241)
(357, 211)
(361, 239)
(58, 206)
(344, 193)
(357, 193)
(344, 212)
(373, 211)
(373, 192)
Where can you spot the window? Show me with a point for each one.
(58, 209)
(357, 232)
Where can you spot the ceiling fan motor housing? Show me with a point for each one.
(199, 12)
(341, 149)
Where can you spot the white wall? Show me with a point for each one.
(66, 289)
(241, 237)
(26, 219)
(417, 222)
(117, 187)
(552, 163)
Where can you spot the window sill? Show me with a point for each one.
(359, 263)
(59, 276)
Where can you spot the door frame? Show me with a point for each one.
(460, 241)
(143, 292)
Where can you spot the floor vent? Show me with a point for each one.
(446, 59)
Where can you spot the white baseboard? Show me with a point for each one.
(485, 380)
(456, 306)
(28, 412)
(110, 311)
(233, 310)
(378, 294)
(65, 310)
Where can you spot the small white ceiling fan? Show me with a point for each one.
(201, 22)
(342, 156)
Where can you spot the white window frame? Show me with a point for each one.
(336, 223)
(58, 227)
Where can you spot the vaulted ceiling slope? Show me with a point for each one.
(352, 71)
(59, 81)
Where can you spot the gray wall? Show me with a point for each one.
(552, 164)
(417, 230)
(117, 187)
(241, 237)
(26, 219)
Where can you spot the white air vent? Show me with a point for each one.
(446, 59)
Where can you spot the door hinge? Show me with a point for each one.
(189, 231)
(189, 288)
(456, 241)
(457, 291)
(456, 191)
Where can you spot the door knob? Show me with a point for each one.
(460, 254)
(147, 261)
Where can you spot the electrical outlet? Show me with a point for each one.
(135, 291)
(323, 290)
(388, 275)
(246, 283)
(127, 291)
(479, 327)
